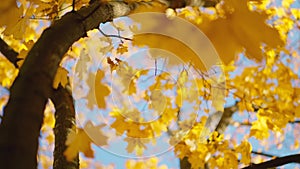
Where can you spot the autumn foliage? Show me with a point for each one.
(216, 82)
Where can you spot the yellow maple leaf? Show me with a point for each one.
(101, 90)
(158, 101)
(119, 125)
(128, 76)
(196, 161)
(296, 13)
(95, 133)
(24, 51)
(7, 72)
(136, 144)
(259, 128)
(287, 3)
(245, 149)
(12, 19)
(240, 29)
(151, 163)
(122, 49)
(230, 160)
(158, 127)
(61, 77)
(178, 51)
(16, 23)
(97, 90)
(79, 140)
(6, 4)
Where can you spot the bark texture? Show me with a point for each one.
(64, 117)
(23, 114)
(64, 121)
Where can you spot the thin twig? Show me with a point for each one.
(73, 5)
(263, 154)
(113, 36)
(296, 121)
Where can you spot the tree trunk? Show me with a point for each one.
(64, 121)
(23, 114)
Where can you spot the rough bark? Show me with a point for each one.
(23, 114)
(64, 117)
(64, 121)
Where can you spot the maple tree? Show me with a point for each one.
(153, 86)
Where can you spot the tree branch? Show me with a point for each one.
(9, 53)
(226, 118)
(182, 3)
(249, 124)
(23, 114)
(263, 154)
(276, 162)
(64, 121)
(296, 121)
(184, 163)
